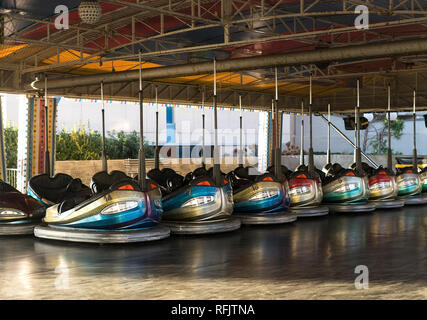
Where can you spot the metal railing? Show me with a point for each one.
(11, 177)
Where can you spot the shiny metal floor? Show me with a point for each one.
(310, 259)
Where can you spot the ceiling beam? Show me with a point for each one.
(369, 51)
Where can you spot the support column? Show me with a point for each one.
(32, 139)
(2, 145)
(271, 138)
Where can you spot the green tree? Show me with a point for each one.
(82, 145)
(11, 145)
(379, 139)
(78, 145)
(124, 145)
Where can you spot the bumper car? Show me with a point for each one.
(306, 193)
(19, 213)
(410, 187)
(383, 188)
(262, 198)
(305, 185)
(118, 211)
(259, 198)
(194, 204)
(201, 202)
(345, 191)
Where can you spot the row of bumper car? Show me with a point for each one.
(341, 189)
(115, 202)
(335, 185)
(383, 187)
(384, 184)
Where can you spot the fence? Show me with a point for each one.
(11, 177)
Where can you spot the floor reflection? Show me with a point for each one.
(391, 243)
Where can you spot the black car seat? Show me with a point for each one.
(405, 170)
(381, 170)
(5, 187)
(320, 174)
(285, 171)
(197, 173)
(239, 178)
(157, 176)
(167, 179)
(200, 172)
(58, 188)
(210, 172)
(242, 177)
(335, 172)
(305, 174)
(366, 168)
(171, 182)
(101, 181)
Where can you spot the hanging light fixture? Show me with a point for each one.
(90, 11)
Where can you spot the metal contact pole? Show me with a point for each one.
(157, 151)
(272, 137)
(241, 134)
(355, 134)
(355, 127)
(389, 151)
(415, 156)
(278, 151)
(216, 165)
(203, 128)
(46, 131)
(282, 117)
(141, 156)
(310, 150)
(301, 156)
(328, 156)
(357, 150)
(104, 155)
